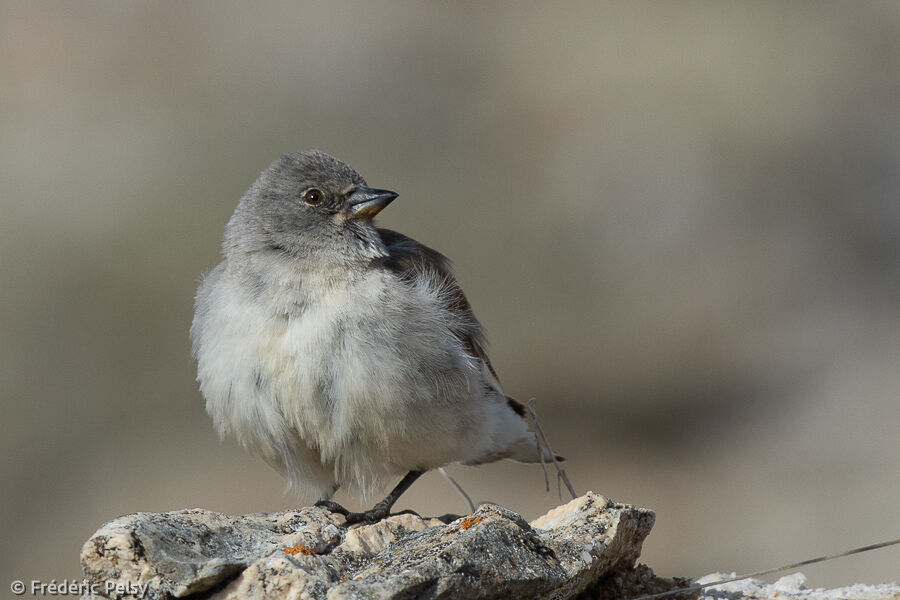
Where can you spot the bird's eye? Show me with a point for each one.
(313, 196)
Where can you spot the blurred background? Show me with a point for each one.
(678, 222)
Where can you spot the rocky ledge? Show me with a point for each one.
(586, 548)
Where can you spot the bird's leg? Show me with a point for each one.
(380, 510)
(383, 508)
(377, 512)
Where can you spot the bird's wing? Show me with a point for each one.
(407, 258)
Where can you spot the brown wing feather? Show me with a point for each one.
(408, 257)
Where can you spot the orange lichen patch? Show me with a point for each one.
(295, 550)
(469, 521)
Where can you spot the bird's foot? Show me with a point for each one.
(373, 515)
(333, 507)
(377, 512)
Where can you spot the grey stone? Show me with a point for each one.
(792, 586)
(577, 548)
(175, 554)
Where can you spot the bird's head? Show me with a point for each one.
(308, 204)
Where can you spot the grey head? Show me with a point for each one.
(308, 205)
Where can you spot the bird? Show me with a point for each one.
(344, 354)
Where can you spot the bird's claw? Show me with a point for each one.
(333, 507)
(373, 515)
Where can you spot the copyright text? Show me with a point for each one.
(76, 587)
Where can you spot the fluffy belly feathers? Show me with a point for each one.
(326, 392)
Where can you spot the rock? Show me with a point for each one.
(588, 546)
(791, 586)
(371, 539)
(171, 555)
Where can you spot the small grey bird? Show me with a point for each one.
(341, 353)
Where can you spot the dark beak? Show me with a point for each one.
(366, 202)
